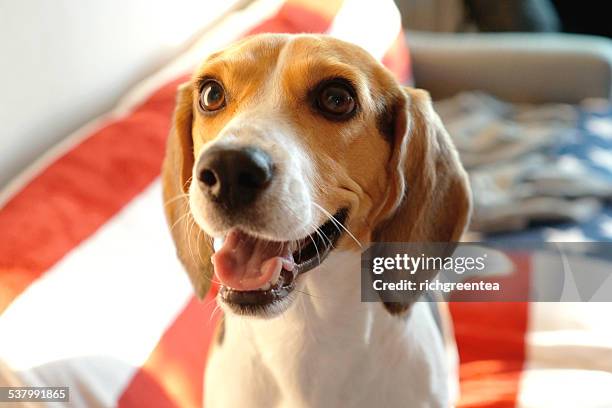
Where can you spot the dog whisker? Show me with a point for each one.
(337, 223)
(323, 238)
(187, 182)
(308, 294)
(208, 302)
(316, 248)
(215, 310)
(181, 218)
(198, 241)
(188, 237)
(298, 240)
(198, 238)
(189, 229)
(175, 198)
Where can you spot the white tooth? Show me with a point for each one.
(266, 286)
(218, 243)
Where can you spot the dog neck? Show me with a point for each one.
(326, 326)
(330, 349)
(326, 303)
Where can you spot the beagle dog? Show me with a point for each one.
(289, 155)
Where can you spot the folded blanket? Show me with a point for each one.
(531, 163)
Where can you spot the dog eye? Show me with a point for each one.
(212, 96)
(336, 100)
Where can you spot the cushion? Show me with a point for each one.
(91, 293)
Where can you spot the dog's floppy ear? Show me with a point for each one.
(193, 246)
(429, 197)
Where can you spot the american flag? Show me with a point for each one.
(92, 295)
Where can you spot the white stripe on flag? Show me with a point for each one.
(355, 20)
(564, 388)
(569, 344)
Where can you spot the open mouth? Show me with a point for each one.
(257, 273)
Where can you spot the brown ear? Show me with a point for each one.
(193, 246)
(429, 198)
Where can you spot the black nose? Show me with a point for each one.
(234, 178)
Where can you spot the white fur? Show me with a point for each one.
(290, 192)
(329, 349)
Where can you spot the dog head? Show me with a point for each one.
(287, 147)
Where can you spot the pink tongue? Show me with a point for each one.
(247, 263)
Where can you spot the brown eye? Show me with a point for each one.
(336, 100)
(212, 96)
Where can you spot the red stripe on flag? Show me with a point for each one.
(80, 191)
(491, 341)
(173, 375)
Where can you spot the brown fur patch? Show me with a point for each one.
(365, 163)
